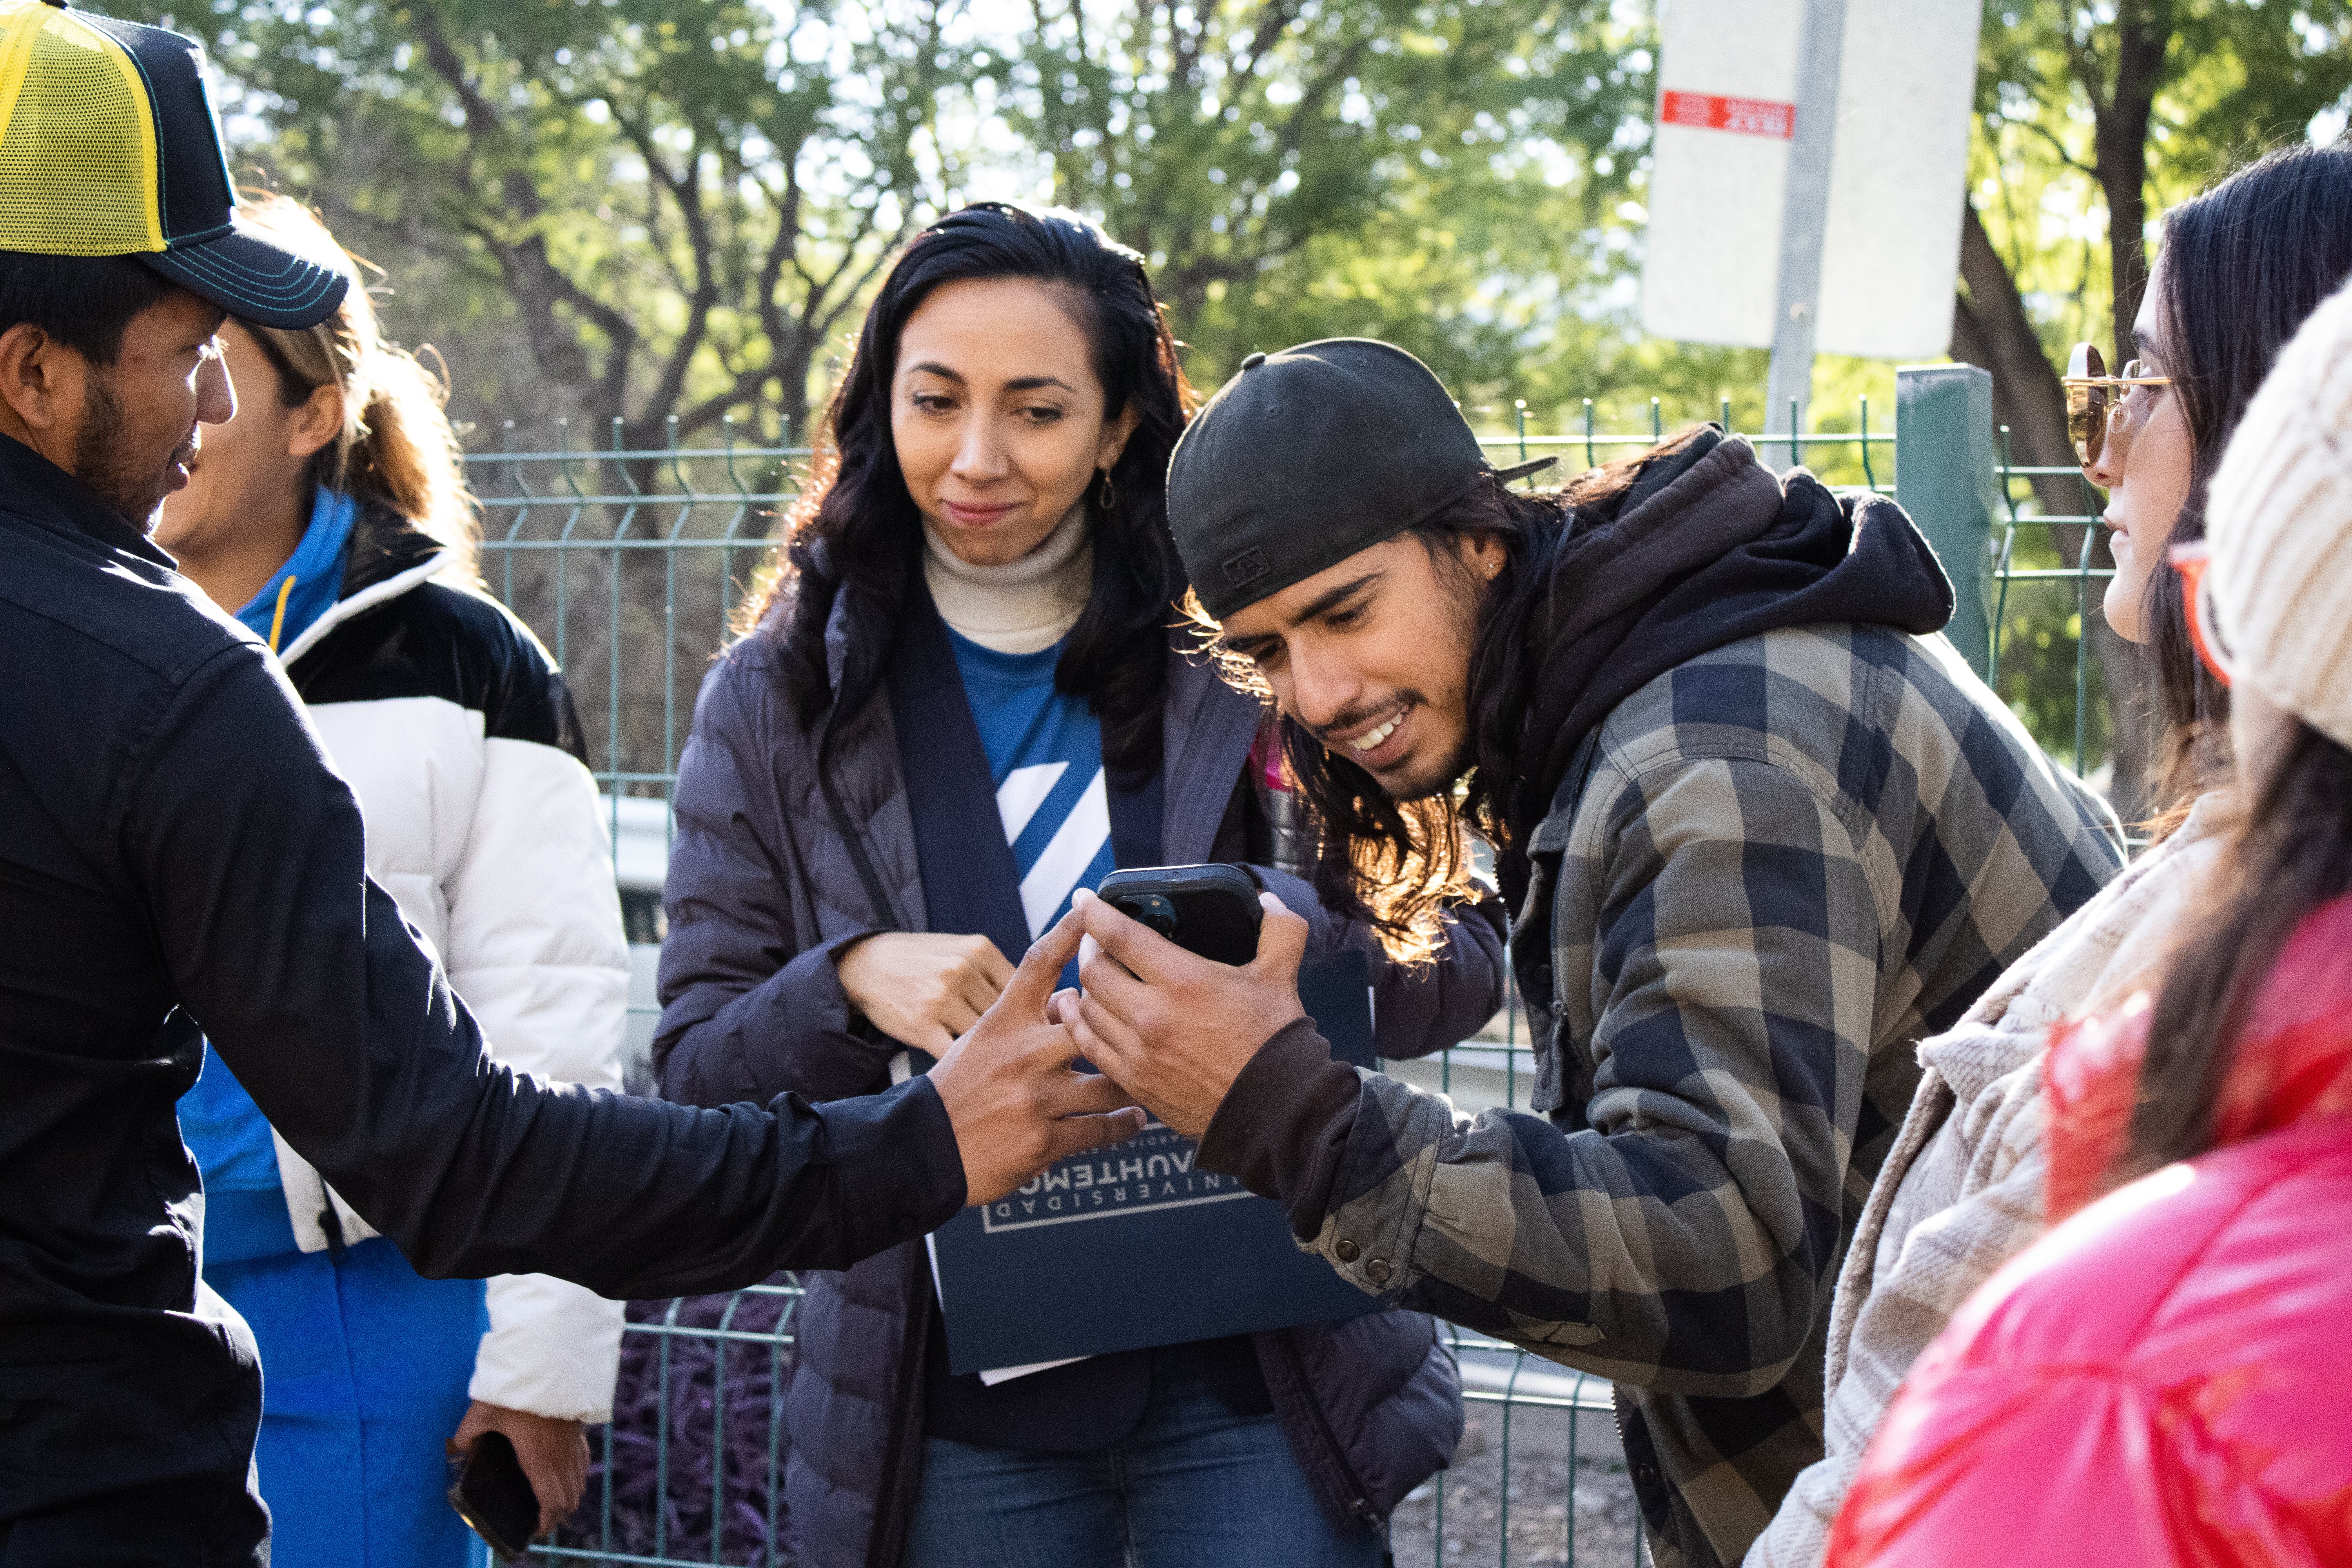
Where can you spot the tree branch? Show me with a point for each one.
(686, 190)
(1273, 19)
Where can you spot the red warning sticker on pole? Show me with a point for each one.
(1752, 116)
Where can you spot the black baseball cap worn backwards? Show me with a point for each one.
(108, 147)
(1311, 455)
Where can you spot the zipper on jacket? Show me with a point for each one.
(885, 919)
(1358, 1504)
(332, 1223)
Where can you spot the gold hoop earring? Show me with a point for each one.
(1108, 495)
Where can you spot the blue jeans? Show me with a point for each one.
(1193, 1486)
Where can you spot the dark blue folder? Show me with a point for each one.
(1134, 1246)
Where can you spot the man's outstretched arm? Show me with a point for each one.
(316, 992)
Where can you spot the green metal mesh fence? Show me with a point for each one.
(632, 564)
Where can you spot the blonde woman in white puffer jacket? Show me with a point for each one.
(331, 518)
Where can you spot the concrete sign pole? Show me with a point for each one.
(1804, 220)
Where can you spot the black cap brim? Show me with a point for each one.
(1521, 470)
(253, 280)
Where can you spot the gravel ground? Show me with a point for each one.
(1605, 1531)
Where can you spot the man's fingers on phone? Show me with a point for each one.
(1041, 967)
(1103, 1037)
(1281, 938)
(1102, 975)
(1144, 950)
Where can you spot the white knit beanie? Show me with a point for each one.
(2279, 517)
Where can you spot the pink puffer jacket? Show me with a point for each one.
(2163, 1378)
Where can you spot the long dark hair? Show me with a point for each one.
(855, 524)
(2243, 265)
(2291, 854)
(1394, 864)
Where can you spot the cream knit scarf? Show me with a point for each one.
(1021, 606)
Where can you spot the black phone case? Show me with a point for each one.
(492, 1494)
(1212, 911)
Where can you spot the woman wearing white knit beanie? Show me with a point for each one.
(2279, 523)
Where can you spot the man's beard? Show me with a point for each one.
(103, 459)
(1431, 780)
(1427, 783)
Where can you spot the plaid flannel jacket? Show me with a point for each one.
(1776, 868)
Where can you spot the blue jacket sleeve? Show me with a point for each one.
(316, 992)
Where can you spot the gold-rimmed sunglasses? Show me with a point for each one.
(2094, 397)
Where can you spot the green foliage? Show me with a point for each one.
(2235, 78)
(641, 210)
(2089, 117)
(668, 209)
(1437, 172)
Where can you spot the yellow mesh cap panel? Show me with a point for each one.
(78, 146)
(17, 30)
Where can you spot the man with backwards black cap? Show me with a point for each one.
(177, 861)
(1760, 829)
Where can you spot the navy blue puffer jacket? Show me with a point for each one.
(763, 888)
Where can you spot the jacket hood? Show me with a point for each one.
(2294, 1063)
(386, 557)
(1706, 548)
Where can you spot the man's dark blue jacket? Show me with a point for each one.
(177, 861)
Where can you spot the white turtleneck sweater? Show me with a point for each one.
(1021, 606)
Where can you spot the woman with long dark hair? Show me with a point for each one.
(2241, 266)
(2162, 1380)
(960, 700)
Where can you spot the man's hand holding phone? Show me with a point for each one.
(1011, 1087)
(1174, 1027)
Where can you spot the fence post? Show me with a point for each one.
(1945, 477)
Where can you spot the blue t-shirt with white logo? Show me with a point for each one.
(1045, 757)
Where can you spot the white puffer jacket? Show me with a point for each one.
(456, 732)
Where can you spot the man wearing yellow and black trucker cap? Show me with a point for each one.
(177, 861)
(111, 150)
(1760, 830)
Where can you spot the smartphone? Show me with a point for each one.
(492, 1493)
(1212, 911)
